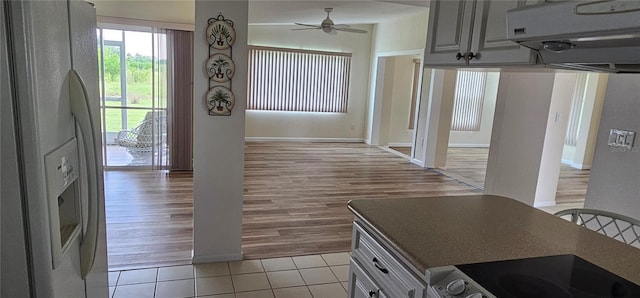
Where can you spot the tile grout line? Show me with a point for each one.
(234, 289)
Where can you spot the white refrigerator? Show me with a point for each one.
(53, 238)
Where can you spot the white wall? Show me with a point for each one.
(348, 126)
(218, 145)
(480, 138)
(399, 132)
(614, 182)
(175, 11)
(393, 38)
(406, 33)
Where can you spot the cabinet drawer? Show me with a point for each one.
(392, 276)
(361, 285)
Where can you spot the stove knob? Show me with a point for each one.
(456, 287)
(474, 295)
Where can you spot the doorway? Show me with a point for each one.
(395, 102)
(471, 124)
(133, 104)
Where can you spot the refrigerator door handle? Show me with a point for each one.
(80, 110)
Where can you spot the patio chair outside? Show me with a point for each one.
(140, 139)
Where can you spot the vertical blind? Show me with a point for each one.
(298, 80)
(576, 110)
(160, 99)
(468, 101)
(180, 132)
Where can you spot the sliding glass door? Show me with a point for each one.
(133, 98)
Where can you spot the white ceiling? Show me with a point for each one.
(349, 12)
(266, 11)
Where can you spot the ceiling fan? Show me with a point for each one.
(329, 27)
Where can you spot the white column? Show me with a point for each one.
(517, 138)
(557, 121)
(218, 144)
(439, 112)
(382, 101)
(420, 145)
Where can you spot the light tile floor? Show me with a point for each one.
(317, 276)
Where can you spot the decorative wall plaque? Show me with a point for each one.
(220, 67)
(220, 101)
(220, 33)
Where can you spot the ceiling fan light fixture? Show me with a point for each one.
(327, 25)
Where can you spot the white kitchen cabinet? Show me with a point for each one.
(376, 270)
(473, 33)
(361, 285)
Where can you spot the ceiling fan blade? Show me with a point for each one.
(307, 25)
(341, 26)
(298, 29)
(351, 30)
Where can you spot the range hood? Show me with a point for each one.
(583, 35)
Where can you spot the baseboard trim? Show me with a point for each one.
(399, 144)
(216, 258)
(318, 140)
(455, 145)
(417, 162)
(576, 165)
(386, 148)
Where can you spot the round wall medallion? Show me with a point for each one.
(220, 101)
(220, 68)
(220, 34)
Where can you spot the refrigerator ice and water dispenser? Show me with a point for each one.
(62, 170)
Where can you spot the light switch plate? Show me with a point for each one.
(621, 138)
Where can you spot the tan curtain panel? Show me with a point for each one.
(181, 118)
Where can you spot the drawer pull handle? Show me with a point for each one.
(372, 293)
(375, 263)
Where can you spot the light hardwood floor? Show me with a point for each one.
(149, 219)
(294, 202)
(469, 165)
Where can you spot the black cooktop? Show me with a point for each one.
(550, 277)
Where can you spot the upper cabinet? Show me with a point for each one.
(473, 33)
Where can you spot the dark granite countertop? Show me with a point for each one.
(455, 230)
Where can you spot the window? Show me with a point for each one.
(468, 101)
(298, 80)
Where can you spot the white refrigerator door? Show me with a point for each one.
(85, 64)
(14, 274)
(42, 57)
